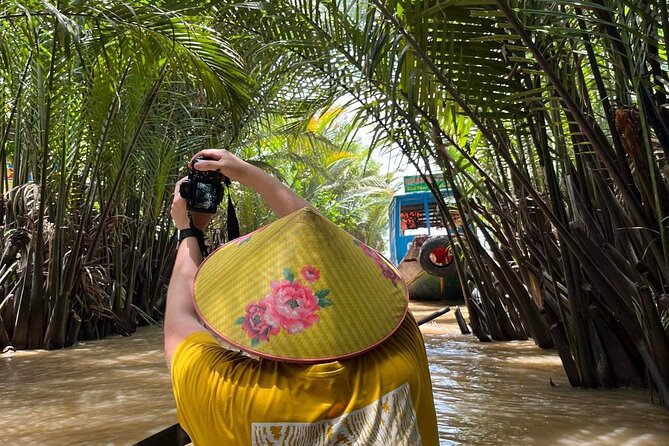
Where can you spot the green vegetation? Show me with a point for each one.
(549, 120)
(103, 104)
(325, 167)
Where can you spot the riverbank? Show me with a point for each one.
(117, 391)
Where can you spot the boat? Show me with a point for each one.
(420, 243)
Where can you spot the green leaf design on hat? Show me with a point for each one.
(323, 301)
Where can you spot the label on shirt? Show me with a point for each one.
(389, 420)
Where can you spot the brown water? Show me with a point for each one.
(111, 392)
(117, 391)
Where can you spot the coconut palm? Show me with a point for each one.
(322, 164)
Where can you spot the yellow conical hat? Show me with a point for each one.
(300, 290)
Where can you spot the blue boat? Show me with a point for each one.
(419, 243)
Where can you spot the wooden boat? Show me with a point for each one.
(170, 436)
(419, 243)
(425, 286)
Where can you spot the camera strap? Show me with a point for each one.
(232, 222)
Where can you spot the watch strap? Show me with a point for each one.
(189, 232)
(193, 232)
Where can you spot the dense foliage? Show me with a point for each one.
(549, 121)
(103, 103)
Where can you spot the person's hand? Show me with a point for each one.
(277, 195)
(221, 160)
(180, 212)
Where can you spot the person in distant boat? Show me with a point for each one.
(320, 348)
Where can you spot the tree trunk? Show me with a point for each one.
(22, 310)
(565, 355)
(37, 297)
(623, 367)
(657, 337)
(4, 338)
(73, 331)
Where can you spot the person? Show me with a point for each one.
(299, 362)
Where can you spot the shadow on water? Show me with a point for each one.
(117, 392)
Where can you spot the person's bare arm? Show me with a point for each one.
(181, 319)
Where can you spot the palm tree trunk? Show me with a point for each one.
(148, 103)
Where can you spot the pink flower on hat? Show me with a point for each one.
(291, 305)
(387, 270)
(255, 323)
(310, 274)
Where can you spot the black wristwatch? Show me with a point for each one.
(193, 232)
(189, 232)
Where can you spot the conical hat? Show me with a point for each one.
(300, 290)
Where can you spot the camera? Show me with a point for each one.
(203, 190)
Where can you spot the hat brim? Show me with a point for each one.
(362, 298)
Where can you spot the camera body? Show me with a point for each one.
(203, 190)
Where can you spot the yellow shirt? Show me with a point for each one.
(382, 397)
